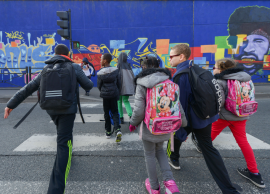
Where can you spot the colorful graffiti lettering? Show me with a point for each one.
(16, 34)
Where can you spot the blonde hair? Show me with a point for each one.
(225, 63)
(182, 49)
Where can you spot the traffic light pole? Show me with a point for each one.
(70, 40)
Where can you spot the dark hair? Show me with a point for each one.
(107, 57)
(245, 20)
(182, 49)
(61, 49)
(226, 63)
(150, 62)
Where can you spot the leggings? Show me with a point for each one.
(238, 129)
(151, 152)
(127, 105)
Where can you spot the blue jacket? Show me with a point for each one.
(185, 91)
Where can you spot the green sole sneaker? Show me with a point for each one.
(118, 137)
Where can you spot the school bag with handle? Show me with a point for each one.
(241, 98)
(57, 89)
(162, 114)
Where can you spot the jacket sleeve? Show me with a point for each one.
(99, 83)
(86, 83)
(183, 116)
(184, 87)
(119, 81)
(139, 106)
(24, 92)
(223, 87)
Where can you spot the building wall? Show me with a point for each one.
(213, 30)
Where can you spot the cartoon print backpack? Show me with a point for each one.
(162, 114)
(241, 98)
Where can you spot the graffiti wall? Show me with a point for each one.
(238, 30)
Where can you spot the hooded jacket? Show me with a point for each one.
(33, 86)
(108, 82)
(222, 78)
(91, 65)
(148, 79)
(127, 76)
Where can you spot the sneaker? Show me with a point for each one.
(87, 94)
(171, 187)
(108, 135)
(196, 143)
(148, 187)
(255, 179)
(122, 120)
(118, 136)
(174, 164)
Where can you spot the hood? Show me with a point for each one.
(86, 60)
(106, 70)
(57, 58)
(122, 57)
(151, 77)
(235, 74)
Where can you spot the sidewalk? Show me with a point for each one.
(262, 91)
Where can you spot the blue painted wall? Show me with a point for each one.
(28, 33)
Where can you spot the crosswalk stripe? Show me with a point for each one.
(116, 187)
(92, 118)
(98, 142)
(89, 105)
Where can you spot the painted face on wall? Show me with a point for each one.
(251, 53)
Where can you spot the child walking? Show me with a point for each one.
(127, 85)
(153, 144)
(108, 83)
(225, 69)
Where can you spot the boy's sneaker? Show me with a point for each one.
(87, 94)
(118, 136)
(148, 188)
(255, 179)
(196, 143)
(108, 135)
(174, 163)
(171, 187)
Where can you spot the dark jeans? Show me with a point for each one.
(211, 156)
(111, 105)
(89, 77)
(64, 126)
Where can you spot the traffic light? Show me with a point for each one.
(64, 23)
(76, 44)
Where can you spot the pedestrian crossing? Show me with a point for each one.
(131, 141)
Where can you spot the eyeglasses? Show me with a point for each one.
(215, 68)
(172, 56)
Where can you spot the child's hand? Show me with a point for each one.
(132, 128)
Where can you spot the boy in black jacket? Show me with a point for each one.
(108, 83)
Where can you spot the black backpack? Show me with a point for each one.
(57, 86)
(57, 89)
(206, 91)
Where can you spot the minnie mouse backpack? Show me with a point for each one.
(162, 114)
(241, 98)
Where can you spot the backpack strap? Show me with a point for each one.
(78, 97)
(177, 77)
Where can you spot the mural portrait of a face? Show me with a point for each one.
(254, 22)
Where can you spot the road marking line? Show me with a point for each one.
(89, 105)
(93, 118)
(131, 141)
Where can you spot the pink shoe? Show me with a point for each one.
(148, 187)
(171, 187)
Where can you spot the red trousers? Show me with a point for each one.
(238, 129)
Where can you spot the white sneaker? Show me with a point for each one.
(108, 135)
(118, 137)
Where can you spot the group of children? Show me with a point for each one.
(115, 87)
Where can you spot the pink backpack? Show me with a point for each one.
(162, 114)
(241, 98)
